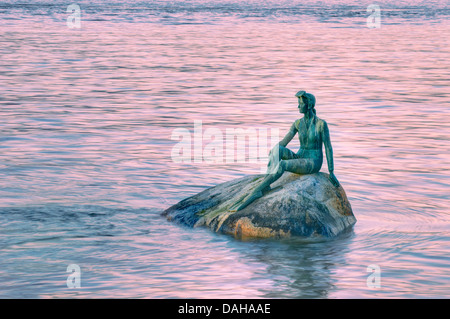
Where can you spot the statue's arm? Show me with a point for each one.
(289, 136)
(328, 148)
(329, 153)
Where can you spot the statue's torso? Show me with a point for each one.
(309, 137)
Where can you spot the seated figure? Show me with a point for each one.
(312, 132)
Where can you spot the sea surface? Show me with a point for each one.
(90, 119)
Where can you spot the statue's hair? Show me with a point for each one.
(310, 101)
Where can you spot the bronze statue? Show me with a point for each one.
(312, 132)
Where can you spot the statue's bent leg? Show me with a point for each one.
(302, 165)
(278, 154)
(296, 165)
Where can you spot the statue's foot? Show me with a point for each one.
(255, 196)
(233, 208)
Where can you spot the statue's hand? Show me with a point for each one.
(333, 179)
(274, 149)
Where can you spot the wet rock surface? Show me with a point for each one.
(297, 205)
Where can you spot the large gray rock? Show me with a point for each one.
(297, 205)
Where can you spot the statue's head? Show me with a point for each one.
(306, 101)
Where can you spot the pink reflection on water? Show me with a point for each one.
(114, 95)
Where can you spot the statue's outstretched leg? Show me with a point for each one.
(263, 187)
(298, 166)
(281, 159)
(274, 171)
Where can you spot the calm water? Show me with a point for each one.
(87, 117)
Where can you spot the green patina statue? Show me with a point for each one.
(312, 132)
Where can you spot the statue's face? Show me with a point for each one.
(301, 105)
